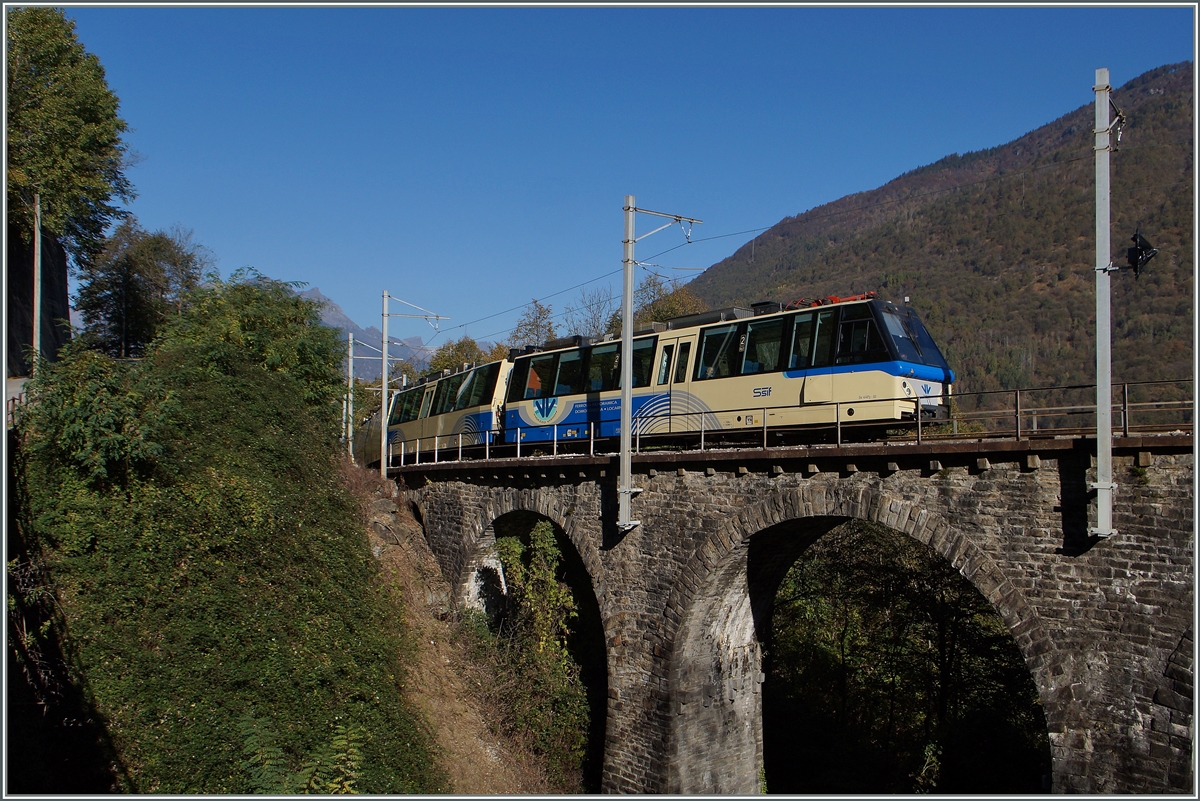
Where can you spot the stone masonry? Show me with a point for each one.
(1105, 626)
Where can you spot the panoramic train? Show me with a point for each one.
(777, 368)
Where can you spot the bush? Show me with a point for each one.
(209, 566)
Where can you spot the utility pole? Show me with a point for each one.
(383, 398)
(625, 488)
(428, 317)
(37, 281)
(348, 405)
(1104, 485)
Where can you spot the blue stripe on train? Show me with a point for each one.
(922, 372)
(604, 415)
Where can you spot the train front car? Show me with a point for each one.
(848, 361)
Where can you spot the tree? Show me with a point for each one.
(535, 326)
(130, 288)
(657, 301)
(64, 134)
(498, 351)
(453, 355)
(590, 314)
(256, 321)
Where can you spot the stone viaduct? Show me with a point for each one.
(1105, 626)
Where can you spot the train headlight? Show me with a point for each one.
(908, 391)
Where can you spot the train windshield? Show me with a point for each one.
(912, 341)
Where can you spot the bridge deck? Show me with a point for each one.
(875, 456)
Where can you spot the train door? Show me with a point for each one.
(426, 428)
(818, 383)
(672, 379)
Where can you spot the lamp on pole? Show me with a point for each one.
(625, 488)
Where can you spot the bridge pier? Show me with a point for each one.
(1104, 625)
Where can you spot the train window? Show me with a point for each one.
(717, 349)
(447, 391)
(664, 364)
(516, 381)
(681, 365)
(762, 346)
(570, 373)
(397, 403)
(540, 381)
(801, 341)
(406, 406)
(823, 339)
(643, 362)
(412, 405)
(859, 342)
(478, 388)
(426, 401)
(602, 368)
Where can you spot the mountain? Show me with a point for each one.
(411, 349)
(996, 248)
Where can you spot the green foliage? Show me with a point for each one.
(138, 280)
(997, 249)
(255, 320)
(96, 419)
(63, 132)
(208, 563)
(544, 701)
(658, 301)
(454, 355)
(888, 672)
(331, 770)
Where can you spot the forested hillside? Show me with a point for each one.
(996, 249)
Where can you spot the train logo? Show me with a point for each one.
(544, 409)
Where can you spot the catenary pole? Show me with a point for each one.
(1104, 484)
(348, 422)
(625, 488)
(383, 410)
(37, 281)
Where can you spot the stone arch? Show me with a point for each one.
(713, 620)
(477, 546)
(472, 542)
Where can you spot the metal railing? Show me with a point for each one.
(10, 408)
(1147, 407)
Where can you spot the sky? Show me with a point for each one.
(468, 160)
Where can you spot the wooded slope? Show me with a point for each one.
(996, 248)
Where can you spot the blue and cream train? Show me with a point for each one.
(784, 369)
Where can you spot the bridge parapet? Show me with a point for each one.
(1104, 625)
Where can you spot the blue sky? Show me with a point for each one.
(469, 159)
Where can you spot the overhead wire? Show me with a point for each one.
(915, 195)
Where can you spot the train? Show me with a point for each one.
(791, 371)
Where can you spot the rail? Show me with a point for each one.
(1145, 407)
